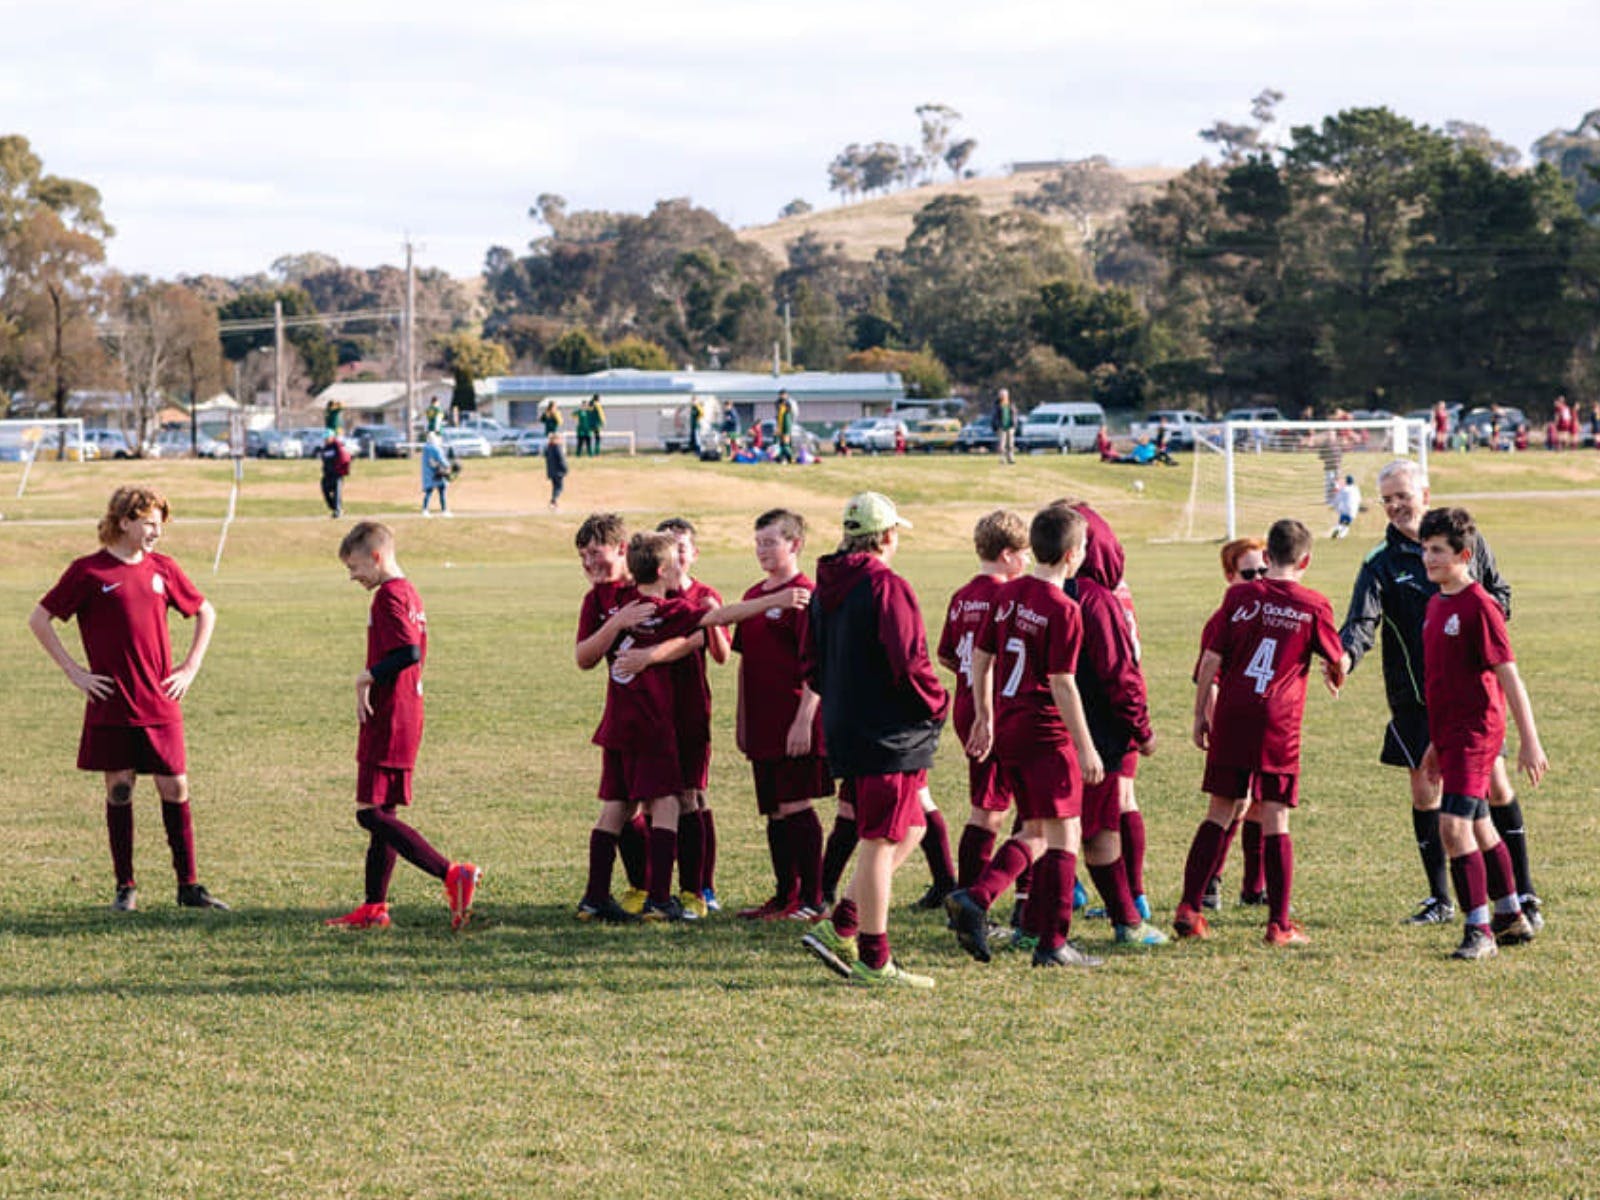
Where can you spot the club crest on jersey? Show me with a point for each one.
(1006, 611)
(1247, 614)
(158, 585)
(1453, 626)
(774, 613)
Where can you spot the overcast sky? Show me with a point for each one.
(223, 135)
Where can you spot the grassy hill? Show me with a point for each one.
(866, 226)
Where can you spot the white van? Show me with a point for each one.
(1064, 427)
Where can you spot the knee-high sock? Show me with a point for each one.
(1255, 870)
(1131, 825)
(663, 852)
(119, 831)
(1051, 897)
(1111, 881)
(936, 845)
(781, 849)
(1498, 872)
(1200, 866)
(381, 858)
(1430, 847)
(1472, 886)
(841, 845)
(1227, 845)
(1277, 853)
(708, 866)
(407, 842)
(633, 845)
(691, 853)
(179, 824)
(972, 856)
(1508, 823)
(602, 853)
(1008, 863)
(805, 847)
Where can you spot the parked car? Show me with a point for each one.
(933, 433)
(1182, 426)
(174, 442)
(800, 437)
(464, 443)
(873, 434)
(269, 443)
(1252, 414)
(491, 430)
(112, 443)
(62, 444)
(977, 434)
(1479, 423)
(530, 441)
(380, 441)
(1064, 427)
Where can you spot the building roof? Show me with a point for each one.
(368, 395)
(726, 385)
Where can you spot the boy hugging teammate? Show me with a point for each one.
(1033, 722)
(640, 762)
(1264, 637)
(1470, 678)
(779, 722)
(389, 707)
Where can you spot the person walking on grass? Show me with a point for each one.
(390, 714)
(133, 715)
(436, 473)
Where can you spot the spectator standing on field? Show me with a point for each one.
(783, 427)
(1005, 427)
(597, 424)
(550, 419)
(335, 456)
(332, 416)
(434, 417)
(436, 473)
(555, 467)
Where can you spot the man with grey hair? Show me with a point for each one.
(1005, 427)
(1392, 587)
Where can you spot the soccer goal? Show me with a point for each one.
(1249, 474)
(42, 439)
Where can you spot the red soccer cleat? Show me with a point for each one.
(1289, 934)
(460, 885)
(773, 910)
(1190, 923)
(368, 916)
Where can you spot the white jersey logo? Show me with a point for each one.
(158, 584)
(106, 588)
(774, 614)
(1453, 626)
(1247, 614)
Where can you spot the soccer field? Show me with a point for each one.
(173, 1053)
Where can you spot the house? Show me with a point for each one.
(383, 402)
(644, 403)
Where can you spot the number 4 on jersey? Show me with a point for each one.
(1261, 667)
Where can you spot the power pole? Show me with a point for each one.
(788, 338)
(409, 343)
(277, 364)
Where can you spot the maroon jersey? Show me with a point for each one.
(1266, 638)
(969, 609)
(391, 736)
(1464, 639)
(692, 690)
(601, 602)
(1214, 624)
(771, 676)
(1034, 631)
(121, 609)
(639, 712)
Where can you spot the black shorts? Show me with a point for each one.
(1468, 808)
(1405, 739)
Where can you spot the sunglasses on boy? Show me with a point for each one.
(1252, 573)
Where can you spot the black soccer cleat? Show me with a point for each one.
(1064, 955)
(1511, 929)
(1212, 899)
(1476, 943)
(670, 909)
(1433, 911)
(127, 899)
(194, 895)
(970, 922)
(934, 897)
(1253, 899)
(1533, 909)
(607, 913)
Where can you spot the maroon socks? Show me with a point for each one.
(602, 853)
(381, 823)
(119, 828)
(1277, 856)
(1200, 866)
(804, 835)
(1008, 863)
(1131, 826)
(633, 846)
(972, 854)
(841, 845)
(936, 845)
(663, 853)
(179, 823)
(1111, 881)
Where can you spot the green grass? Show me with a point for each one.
(174, 1054)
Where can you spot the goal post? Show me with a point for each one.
(1248, 474)
(47, 439)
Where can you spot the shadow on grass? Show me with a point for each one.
(507, 949)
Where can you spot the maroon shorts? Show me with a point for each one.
(382, 787)
(694, 761)
(1130, 765)
(1102, 809)
(638, 777)
(1467, 772)
(987, 786)
(146, 749)
(1237, 783)
(887, 807)
(1047, 786)
(786, 780)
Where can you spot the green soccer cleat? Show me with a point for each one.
(890, 975)
(838, 954)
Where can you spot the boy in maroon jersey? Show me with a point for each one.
(608, 610)
(866, 655)
(697, 830)
(133, 719)
(1470, 678)
(779, 721)
(1034, 723)
(1001, 540)
(639, 764)
(389, 708)
(1258, 660)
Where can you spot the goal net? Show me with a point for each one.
(42, 440)
(1249, 474)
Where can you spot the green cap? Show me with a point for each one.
(871, 512)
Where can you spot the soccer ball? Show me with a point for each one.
(1138, 485)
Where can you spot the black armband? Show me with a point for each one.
(391, 664)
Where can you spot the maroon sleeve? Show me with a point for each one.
(589, 620)
(947, 635)
(808, 648)
(1109, 648)
(1208, 635)
(181, 591)
(1064, 639)
(905, 643)
(69, 593)
(1328, 643)
(984, 637)
(1493, 641)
